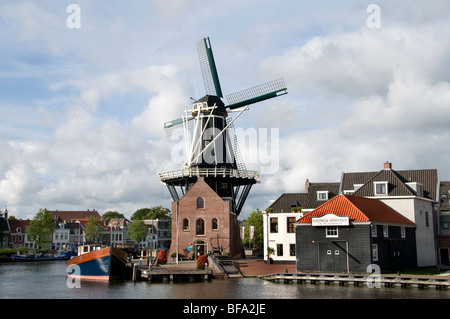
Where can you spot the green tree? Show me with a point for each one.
(107, 216)
(94, 228)
(256, 220)
(137, 230)
(157, 212)
(40, 230)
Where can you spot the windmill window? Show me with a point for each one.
(215, 224)
(200, 227)
(200, 203)
(185, 224)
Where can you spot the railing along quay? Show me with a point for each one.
(361, 279)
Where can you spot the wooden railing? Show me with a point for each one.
(209, 172)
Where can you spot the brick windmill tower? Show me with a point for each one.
(210, 190)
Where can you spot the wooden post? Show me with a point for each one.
(134, 272)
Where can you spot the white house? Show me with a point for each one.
(280, 216)
(412, 193)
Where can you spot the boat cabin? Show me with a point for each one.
(84, 249)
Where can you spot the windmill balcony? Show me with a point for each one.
(210, 172)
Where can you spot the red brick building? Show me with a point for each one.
(203, 222)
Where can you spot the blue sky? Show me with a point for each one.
(82, 109)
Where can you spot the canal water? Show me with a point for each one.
(47, 280)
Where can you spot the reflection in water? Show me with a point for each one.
(47, 280)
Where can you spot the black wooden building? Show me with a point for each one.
(349, 233)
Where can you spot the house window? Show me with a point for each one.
(200, 203)
(322, 195)
(185, 224)
(331, 232)
(291, 249)
(200, 227)
(274, 225)
(290, 224)
(385, 231)
(381, 188)
(279, 249)
(374, 252)
(215, 224)
(416, 187)
(374, 230)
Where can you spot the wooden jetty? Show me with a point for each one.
(169, 274)
(370, 280)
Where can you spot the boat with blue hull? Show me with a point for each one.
(97, 263)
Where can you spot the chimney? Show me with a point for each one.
(307, 186)
(387, 165)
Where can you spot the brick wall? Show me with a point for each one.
(225, 236)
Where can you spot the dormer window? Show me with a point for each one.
(381, 188)
(322, 195)
(417, 188)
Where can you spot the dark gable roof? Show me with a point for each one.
(283, 203)
(397, 182)
(305, 200)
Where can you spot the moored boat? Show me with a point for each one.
(98, 263)
(42, 257)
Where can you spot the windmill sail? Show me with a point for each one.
(257, 94)
(208, 67)
(212, 150)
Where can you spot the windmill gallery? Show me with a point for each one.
(210, 190)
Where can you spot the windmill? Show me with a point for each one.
(211, 146)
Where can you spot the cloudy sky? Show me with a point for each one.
(83, 101)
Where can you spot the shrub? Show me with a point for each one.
(201, 261)
(162, 257)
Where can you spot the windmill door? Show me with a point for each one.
(200, 248)
(333, 256)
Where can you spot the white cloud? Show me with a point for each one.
(87, 130)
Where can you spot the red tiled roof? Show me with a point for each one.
(358, 209)
(14, 223)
